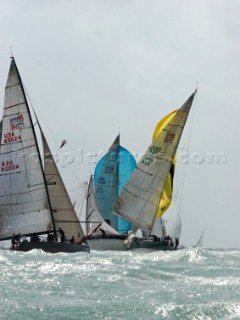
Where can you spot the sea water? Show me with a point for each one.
(190, 283)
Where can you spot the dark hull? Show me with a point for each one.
(52, 247)
(153, 245)
(119, 243)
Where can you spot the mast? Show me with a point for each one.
(87, 199)
(38, 151)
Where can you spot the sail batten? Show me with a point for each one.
(139, 201)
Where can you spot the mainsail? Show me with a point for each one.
(24, 205)
(94, 220)
(64, 213)
(171, 223)
(139, 201)
(107, 183)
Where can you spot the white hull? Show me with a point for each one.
(117, 243)
(108, 242)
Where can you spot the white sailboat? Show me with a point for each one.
(140, 199)
(32, 202)
(99, 234)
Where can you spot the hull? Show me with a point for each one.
(52, 247)
(153, 245)
(117, 243)
(107, 243)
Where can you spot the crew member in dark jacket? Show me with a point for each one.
(62, 233)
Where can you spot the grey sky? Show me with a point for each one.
(94, 68)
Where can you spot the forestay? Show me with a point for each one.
(140, 198)
(24, 205)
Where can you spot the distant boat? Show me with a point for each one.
(99, 234)
(199, 243)
(140, 199)
(33, 198)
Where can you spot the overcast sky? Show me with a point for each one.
(97, 68)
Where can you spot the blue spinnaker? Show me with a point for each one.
(110, 175)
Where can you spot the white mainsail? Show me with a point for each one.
(94, 220)
(64, 213)
(139, 200)
(24, 206)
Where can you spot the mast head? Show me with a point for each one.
(11, 54)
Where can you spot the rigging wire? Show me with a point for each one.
(52, 135)
(187, 149)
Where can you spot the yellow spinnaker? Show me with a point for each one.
(167, 193)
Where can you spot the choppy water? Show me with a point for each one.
(184, 284)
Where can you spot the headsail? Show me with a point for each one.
(24, 206)
(63, 212)
(140, 198)
(94, 220)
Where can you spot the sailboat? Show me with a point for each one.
(199, 243)
(139, 200)
(167, 224)
(104, 230)
(33, 198)
(99, 234)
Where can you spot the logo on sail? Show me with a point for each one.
(109, 170)
(99, 189)
(101, 180)
(17, 122)
(169, 137)
(154, 149)
(147, 160)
